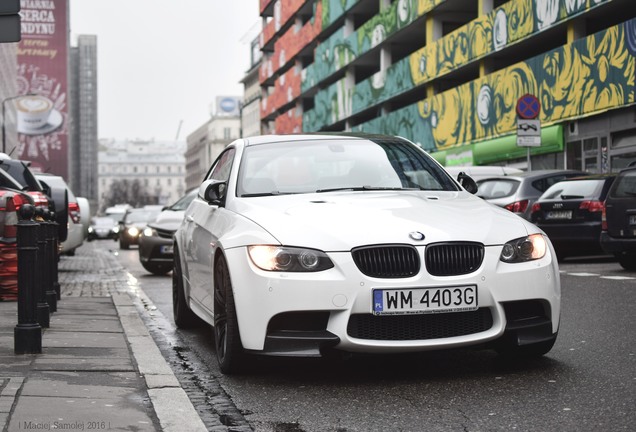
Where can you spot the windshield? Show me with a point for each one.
(21, 173)
(104, 222)
(625, 186)
(497, 188)
(574, 189)
(184, 202)
(323, 166)
(141, 216)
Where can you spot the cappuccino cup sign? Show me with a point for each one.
(33, 112)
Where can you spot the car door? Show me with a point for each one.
(620, 206)
(200, 237)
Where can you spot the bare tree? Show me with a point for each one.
(128, 192)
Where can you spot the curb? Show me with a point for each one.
(172, 405)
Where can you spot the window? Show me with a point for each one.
(221, 168)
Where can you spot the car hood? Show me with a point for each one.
(168, 220)
(340, 221)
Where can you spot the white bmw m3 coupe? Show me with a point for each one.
(299, 245)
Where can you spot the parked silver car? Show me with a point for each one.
(518, 192)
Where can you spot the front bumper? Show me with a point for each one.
(617, 245)
(305, 313)
(154, 249)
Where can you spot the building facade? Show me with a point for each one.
(151, 172)
(8, 91)
(251, 105)
(84, 143)
(449, 75)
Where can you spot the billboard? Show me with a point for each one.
(42, 111)
(228, 106)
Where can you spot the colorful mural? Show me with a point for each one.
(283, 11)
(286, 89)
(591, 75)
(337, 51)
(334, 9)
(290, 44)
(512, 22)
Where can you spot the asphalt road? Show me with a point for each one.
(586, 383)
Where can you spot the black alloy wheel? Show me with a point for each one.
(184, 318)
(227, 340)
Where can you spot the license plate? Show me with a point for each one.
(632, 219)
(167, 249)
(562, 214)
(424, 300)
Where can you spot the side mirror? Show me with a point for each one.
(213, 191)
(467, 182)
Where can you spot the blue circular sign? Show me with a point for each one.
(228, 104)
(528, 107)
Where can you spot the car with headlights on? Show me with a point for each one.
(306, 245)
(155, 242)
(570, 213)
(618, 230)
(103, 228)
(133, 223)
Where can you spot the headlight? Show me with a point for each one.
(524, 249)
(149, 232)
(289, 259)
(116, 229)
(90, 229)
(133, 231)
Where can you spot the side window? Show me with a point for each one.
(221, 168)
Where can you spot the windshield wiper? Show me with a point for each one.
(566, 197)
(366, 188)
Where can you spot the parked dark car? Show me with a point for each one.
(518, 192)
(133, 223)
(55, 199)
(618, 235)
(570, 214)
(155, 243)
(103, 228)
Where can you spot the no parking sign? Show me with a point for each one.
(528, 128)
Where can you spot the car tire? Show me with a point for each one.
(628, 261)
(183, 316)
(510, 350)
(158, 270)
(227, 340)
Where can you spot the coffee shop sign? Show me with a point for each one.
(37, 115)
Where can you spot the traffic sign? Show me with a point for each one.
(528, 133)
(528, 127)
(528, 107)
(9, 21)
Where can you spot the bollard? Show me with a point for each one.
(47, 268)
(56, 257)
(42, 308)
(28, 333)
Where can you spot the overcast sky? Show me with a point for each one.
(163, 61)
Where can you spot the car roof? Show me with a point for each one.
(322, 136)
(532, 174)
